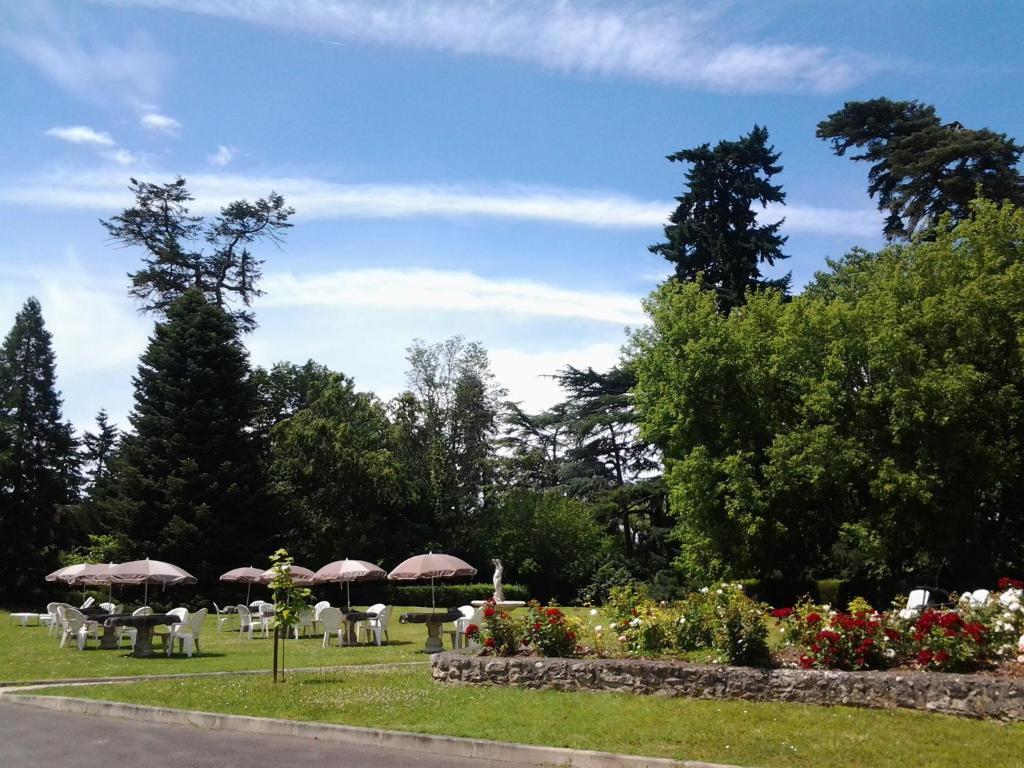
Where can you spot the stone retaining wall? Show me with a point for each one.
(968, 695)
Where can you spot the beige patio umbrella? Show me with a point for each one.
(72, 575)
(150, 572)
(303, 577)
(431, 566)
(348, 571)
(100, 574)
(247, 575)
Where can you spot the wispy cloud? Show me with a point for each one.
(80, 59)
(318, 199)
(679, 44)
(222, 156)
(447, 291)
(154, 122)
(82, 134)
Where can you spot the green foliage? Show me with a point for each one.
(183, 253)
(922, 168)
(38, 463)
(713, 236)
(102, 548)
(503, 633)
(338, 478)
(188, 488)
(452, 595)
(551, 632)
(869, 428)
(533, 534)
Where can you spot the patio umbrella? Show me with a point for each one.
(431, 566)
(100, 574)
(150, 572)
(303, 577)
(348, 571)
(247, 575)
(71, 575)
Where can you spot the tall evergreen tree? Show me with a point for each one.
(713, 233)
(38, 463)
(188, 476)
(183, 252)
(98, 449)
(921, 167)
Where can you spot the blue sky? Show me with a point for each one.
(488, 169)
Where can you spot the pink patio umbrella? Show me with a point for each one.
(247, 575)
(348, 571)
(300, 576)
(150, 572)
(431, 566)
(72, 575)
(100, 574)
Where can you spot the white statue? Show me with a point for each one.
(499, 590)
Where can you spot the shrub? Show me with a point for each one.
(551, 632)
(723, 619)
(503, 634)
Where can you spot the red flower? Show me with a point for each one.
(924, 657)
(806, 662)
(941, 657)
(472, 630)
(950, 619)
(813, 618)
(536, 627)
(488, 612)
(553, 620)
(783, 613)
(489, 642)
(571, 635)
(892, 634)
(553, 612)
(1006, 583)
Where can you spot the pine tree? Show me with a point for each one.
(38, 463)
(714, 232)
(98, 449)
(922, 168)
(188, 476)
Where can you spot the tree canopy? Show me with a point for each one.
(922, 168)
(870, 427)
(713, 235)
(183, 252)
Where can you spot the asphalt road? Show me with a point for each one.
(31, 737)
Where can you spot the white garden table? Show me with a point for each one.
(26, 619)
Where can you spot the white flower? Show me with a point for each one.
(635, 622)
(703, 590)
(907, 613)
(1020, 644)
(593, 611)
(718, 591)
(682, 619)
(622, 638)
(598, 629)
(1014, 606)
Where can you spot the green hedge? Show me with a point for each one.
(451, 594)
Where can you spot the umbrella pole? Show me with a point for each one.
(432, 594)
(248, 586)
(348, 596)
(145, 592)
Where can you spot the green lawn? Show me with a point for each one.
(770, 735)
(27, 653)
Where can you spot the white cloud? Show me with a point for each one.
(527, 373)
(681, 44)
(82, 134)
(71, 54)
(318, 199)
(222, 156)
(412, 290)
(157, 123)
(122, 157)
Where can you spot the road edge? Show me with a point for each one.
(453, 746)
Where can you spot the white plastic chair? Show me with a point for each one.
(305, 623)
(330, 621)
(377, 626)
(223, 615)
(979, 598)
(166, 635)
(52, 620)
(473, 616)
(187, 633)
(132, 632)
(266, 617)
(88, 603)
(76, 625)
(316, 613)
(111, 607)
(917, 599)
(245, 620)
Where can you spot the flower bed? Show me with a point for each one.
(979, 696)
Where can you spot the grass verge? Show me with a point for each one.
(771, 735)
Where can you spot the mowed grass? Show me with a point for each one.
(28, 653)
(740, 733)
